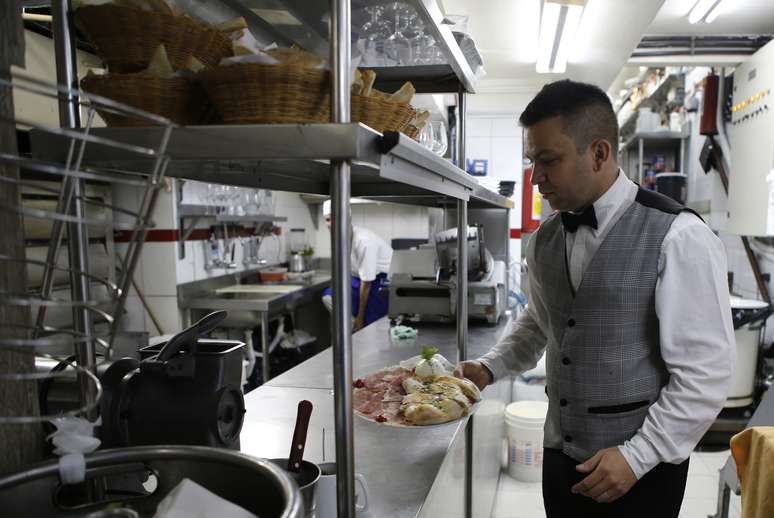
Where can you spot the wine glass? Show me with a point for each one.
(374, 32)
(440, 138)
(398, 47)
(426, 137)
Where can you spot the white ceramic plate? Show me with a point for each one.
(472, 411)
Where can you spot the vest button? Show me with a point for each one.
(571, 322)
(563, 402)
(567, 438)
(566, 361)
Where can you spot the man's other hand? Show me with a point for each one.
(610, 476)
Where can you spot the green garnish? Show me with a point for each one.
(428, 352)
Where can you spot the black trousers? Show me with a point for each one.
(658, 494)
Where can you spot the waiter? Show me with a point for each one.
(628, 296)
(370, 258)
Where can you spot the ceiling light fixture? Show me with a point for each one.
(558, 25)
(706, 10)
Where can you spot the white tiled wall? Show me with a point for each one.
(498, 138)
(161, 268)
(388, 220)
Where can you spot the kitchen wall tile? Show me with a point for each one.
(185, 268)
(159, 262)
(165, 210)
(506, 127)
(197, 247)
(478, 127)
(409, 222)
(167, 313)
(121, 249)
(134, 320)
(379, 218)
(505, 159)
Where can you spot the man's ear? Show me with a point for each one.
(601, 152)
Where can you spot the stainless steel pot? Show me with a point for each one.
(126, 477)
(297, 263)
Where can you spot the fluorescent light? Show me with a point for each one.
(706, 10)
(714, 13)
(558, 26)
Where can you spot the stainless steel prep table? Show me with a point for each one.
(410, 472)
(248, 309)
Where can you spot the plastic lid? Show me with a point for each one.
(740, 303)
(527, 410)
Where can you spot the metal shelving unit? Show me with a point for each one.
(673, 141)
(340, 159)
(656, 99)
(296, 158)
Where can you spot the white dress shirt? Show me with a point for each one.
(696, 332)
(370, 256)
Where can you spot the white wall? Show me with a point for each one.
(388, 220)
(498, 139)
(161, 269)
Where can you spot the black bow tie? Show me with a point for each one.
(572, 221)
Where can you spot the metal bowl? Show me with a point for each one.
(140, 477)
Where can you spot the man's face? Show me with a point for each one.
(564, 177)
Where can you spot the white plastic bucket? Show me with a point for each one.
(524, 421)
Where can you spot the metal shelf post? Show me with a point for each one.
(462, 295)
(340, 186)
(78, 236)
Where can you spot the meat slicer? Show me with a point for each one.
(423, 281)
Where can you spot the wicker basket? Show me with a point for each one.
(381, 114)
(254, 93)
(126, 38)
(411, 131)
(179, 99)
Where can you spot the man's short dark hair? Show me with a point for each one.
(586, 110)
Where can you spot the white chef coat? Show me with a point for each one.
(696, 331)
(370, 256)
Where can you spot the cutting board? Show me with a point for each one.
(259, 288)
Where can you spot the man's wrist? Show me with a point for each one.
(488, 370)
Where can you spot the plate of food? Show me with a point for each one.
(419, 392)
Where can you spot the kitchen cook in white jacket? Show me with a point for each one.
(370, 258)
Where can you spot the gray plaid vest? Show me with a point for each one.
(603, 359)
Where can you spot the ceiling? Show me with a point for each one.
(505, 32)
(736, 17)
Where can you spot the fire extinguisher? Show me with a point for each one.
(530, 204)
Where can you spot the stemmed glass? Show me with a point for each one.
(440, 138)
(398, 47)
(426, 136)
(374, 33)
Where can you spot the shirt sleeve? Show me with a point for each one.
(697, 345)
(521, 347)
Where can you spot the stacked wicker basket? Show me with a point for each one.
(288, 86)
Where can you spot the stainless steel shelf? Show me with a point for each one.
(290, 157)
(203, 211)
(304, 22)
(656, 138)
(656, 100)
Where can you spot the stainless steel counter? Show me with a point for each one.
(248, 310)
(269, 301)
(372, 350)
(410, 471)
